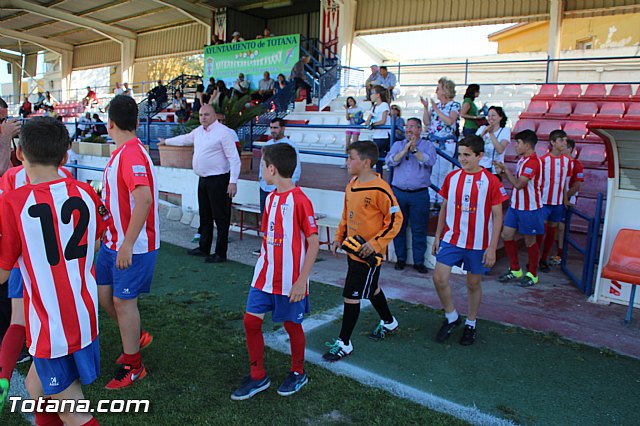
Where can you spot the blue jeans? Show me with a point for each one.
(383, 148)
(415, 211)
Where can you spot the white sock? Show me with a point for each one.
(451, 316)
(470, 323)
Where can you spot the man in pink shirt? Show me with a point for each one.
(217, 162)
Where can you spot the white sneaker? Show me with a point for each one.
(383, 329)
(337, 351)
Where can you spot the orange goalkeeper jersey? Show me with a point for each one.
(371, 211)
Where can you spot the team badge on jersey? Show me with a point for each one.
(139, 170)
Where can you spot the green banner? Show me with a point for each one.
(252, 58)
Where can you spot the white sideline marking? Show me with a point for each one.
(18, 388)
(279, 340)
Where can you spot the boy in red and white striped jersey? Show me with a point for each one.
(127, 257)
(525, 214)
(469, 223)
(556, 171)
(51, 227)
(281, 277)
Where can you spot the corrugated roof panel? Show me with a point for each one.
(123, 10)
(96, 54)
(50, 29)
(155, 20)
(23, 21)
(185, 38)
(77, 6)
(81, 36)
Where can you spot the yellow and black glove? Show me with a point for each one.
(354, 244)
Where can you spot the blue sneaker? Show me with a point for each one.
(250, 387)
(293, 383)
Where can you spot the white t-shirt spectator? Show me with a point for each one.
(376, 115)
(490, 153)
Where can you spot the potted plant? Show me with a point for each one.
(180, 157)
(94, 145)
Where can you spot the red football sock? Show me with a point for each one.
(92, 422)
(48, 419)
(511, 247)
(255, 345)
(559, 252)
(550, 237)
(134, 360)
(534, 258)
(297, 339)
(540, 238)
(12, 344)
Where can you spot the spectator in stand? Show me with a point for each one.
(443, 117)
(127, 90)
(373, 80)
(380, 117)
(496, 136)
(241, 86)
(181, 107)
(235, 37)
(211, 86)
(389, 81)
(469, 112)
(118, 90)
(198, 99)
(396, 112)
(99, 128)
(355, 116)
(158, 94)
(266, 88)
(85, 125)
(219, 95)
(49, 105)
(40, 101)
(281, 83)
(412, 159)
(299, 76)
(266, 33)
(9, 129)
(577, 177)
(215, 40)
(90, 98)
(25, 108)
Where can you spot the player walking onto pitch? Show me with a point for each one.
(127, 257)
(281, 277)
(371, 218)
(52, 227)
(469, 225)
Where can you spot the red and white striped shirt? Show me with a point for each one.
(16, 177)
(469, 198)
(529, 197)
(577, 175)
(287, 222)
(555, 175)
(129, 167)
(51, 230)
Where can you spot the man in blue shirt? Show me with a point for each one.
(276, 128)
(412, 160)
(388, 80)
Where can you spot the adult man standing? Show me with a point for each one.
(118, 90)
(9, 129)
(373, 80)
(412, 160)
(127, 90)
(277, 128)
(299, 76)
(217, 162)
(389, 81)
(159, 93)
(266, 88)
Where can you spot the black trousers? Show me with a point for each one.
(215, 206)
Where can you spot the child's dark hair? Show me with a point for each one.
(366, 150)
(123, 112)
(557, 134)
(282, 156)
(527, 136)
(474, 142)
(571, 144)
(44, 141)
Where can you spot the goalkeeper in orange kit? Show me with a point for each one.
(370, 220)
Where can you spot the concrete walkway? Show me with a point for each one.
(554, 305)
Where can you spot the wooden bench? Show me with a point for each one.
(327, 222)
(251, 209)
